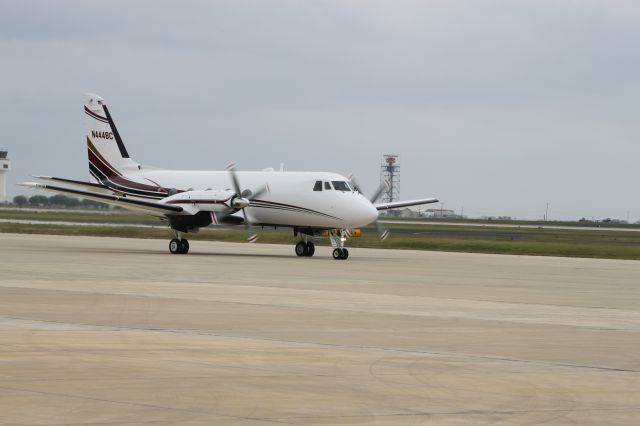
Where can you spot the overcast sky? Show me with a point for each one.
(495, 106)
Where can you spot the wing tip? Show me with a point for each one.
(30, 184)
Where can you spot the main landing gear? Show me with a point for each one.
(305, 248)
(179, 245)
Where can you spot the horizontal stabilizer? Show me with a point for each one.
(79, 183)
(122, 201)
(408, 203)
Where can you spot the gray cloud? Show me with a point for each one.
(496, 106)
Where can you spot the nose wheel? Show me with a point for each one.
(340, 254)
(338, 239)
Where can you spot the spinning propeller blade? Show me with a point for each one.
(244, 200)
(234, 178)
(384, 186)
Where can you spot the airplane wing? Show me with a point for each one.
(398, 204)
(88, 185)
(146, 206)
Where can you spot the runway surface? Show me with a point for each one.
(119, 331)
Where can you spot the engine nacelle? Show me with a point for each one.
(190, 223)
(202, 200)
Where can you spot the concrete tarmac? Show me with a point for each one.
(119, 331)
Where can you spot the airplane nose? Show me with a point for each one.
(371, 213)
(367, 213)
(360, 213)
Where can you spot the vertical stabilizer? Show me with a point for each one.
(107, 154)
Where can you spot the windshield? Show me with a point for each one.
(340, 185)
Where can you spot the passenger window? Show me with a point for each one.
(340, 185)
(327, 186)
(318, 186)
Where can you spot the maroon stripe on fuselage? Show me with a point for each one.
(289, 207)
(199, 201)
(112, 174)
(122, 181)
(122, 189)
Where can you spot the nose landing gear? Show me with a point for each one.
(340, 253)
(338, 239)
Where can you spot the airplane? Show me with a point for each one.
(311, 203)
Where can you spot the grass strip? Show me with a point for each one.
(599, 246)
(80, 217)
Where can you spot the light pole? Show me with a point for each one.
(546, 213)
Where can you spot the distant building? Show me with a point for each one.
(407, 213)
(497, 218)
(446, 213)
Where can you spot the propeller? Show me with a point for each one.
(243, 200)
(384, 186)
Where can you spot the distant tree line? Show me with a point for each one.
(57, 201)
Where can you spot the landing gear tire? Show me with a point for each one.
(175, 246)
(301, 248)
(337, 254)
(310, 248)
(184, 246)
(340, 254)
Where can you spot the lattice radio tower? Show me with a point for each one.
(390, 172)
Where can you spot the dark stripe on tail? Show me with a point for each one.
(109, 176)
(122, 189)
(123, 150)
(94, 115)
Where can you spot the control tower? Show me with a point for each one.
(5, 166)
(390, 173)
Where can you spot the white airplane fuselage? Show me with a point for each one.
(290, 201)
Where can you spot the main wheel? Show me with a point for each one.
(175, 246)
(184, 246)
(345, 254)
(311, 249)
(337, 254)
(301, 248)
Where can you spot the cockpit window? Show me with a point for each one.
(318, 186)
(327, 186)
(340, 185)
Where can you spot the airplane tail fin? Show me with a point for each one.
(108, 156)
